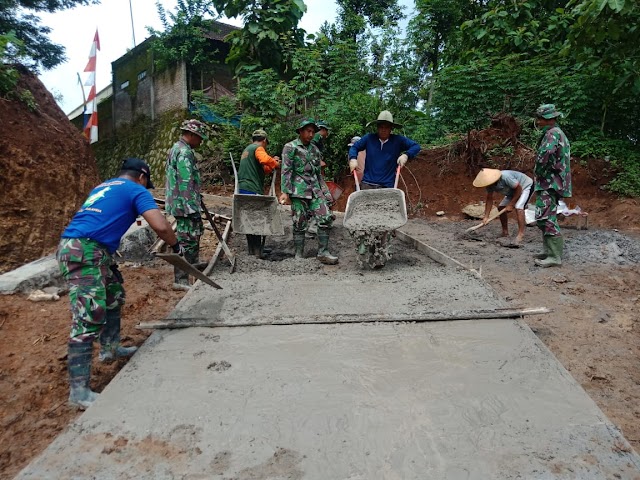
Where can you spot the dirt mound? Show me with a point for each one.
(441, 178)
(47, 170)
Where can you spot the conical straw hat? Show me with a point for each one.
(486, 177)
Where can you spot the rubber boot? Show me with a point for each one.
(253, 244)
(323, 248)
(110, 347)
(298, 243)
(545, 249)
(265, 250)
(555, 244)
(79, 366)
(180, 280)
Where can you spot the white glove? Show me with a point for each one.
(402, 159)
(353, 164)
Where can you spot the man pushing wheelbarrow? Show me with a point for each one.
(387, 153)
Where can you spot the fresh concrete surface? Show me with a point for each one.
(459, 400)
(480, 399)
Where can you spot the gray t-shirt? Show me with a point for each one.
(508, 182)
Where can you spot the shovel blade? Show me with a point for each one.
(179, 261)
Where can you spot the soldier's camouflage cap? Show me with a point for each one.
(305, 122)
(259, 133)
(548, 111)
(195, 126)
(323, 124)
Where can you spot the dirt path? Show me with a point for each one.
(594, 330)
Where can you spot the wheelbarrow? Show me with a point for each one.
(376, 210)
(256, 214)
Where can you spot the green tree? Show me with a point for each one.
(355, 15)
(184, 34)
(269, 36)
(33, 48)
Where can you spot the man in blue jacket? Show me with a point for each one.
(385, 151)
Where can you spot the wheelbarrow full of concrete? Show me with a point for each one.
(371, 216)
(376, 210)
(256, 214)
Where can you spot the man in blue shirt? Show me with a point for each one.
(385, 151)
(85, 257)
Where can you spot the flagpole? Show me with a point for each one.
(133, 30)
(84, 97)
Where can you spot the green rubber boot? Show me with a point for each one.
(324, 255)
(298, 243)
(110, 347)
(545, 249)
(79, 366)
(556, 247)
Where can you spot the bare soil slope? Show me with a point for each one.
(47, 168)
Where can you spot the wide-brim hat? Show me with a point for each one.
(195, 126)
(306, 122)
(486, 177)
(548, 111)
(385, 117)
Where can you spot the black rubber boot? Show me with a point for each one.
(253, 244)
(324, 255)
(298, 243)
(79, 367)
(555, 245)
(110, 347)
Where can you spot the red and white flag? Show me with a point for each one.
(91, 105)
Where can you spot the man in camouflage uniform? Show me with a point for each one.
(319, 140)
(302, 183)
(255, 162)
(183, 197)
(85, 257)
(553, 182)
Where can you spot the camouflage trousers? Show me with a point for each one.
(94, 287)
(547, 212)
(303, 209)
(189, 230)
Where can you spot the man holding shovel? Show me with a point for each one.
(85, 257)
(254, 164)
(516, 188)
(183, 197)
(302, 183)
(553, 183)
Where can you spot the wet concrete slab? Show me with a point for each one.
(458, 400)
(481, 399)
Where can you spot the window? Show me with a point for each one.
(124, 85)
(142, 75)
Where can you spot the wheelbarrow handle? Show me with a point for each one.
(395, 183)
(355, 177)
(235, 175)
(272, 190)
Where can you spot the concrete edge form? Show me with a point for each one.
(433, 253)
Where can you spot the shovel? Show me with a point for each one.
(491, 218)
(179, 261)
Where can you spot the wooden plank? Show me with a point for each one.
(216, 255)
(506, 313)
(433, 253)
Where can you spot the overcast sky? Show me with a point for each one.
(74, 29)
